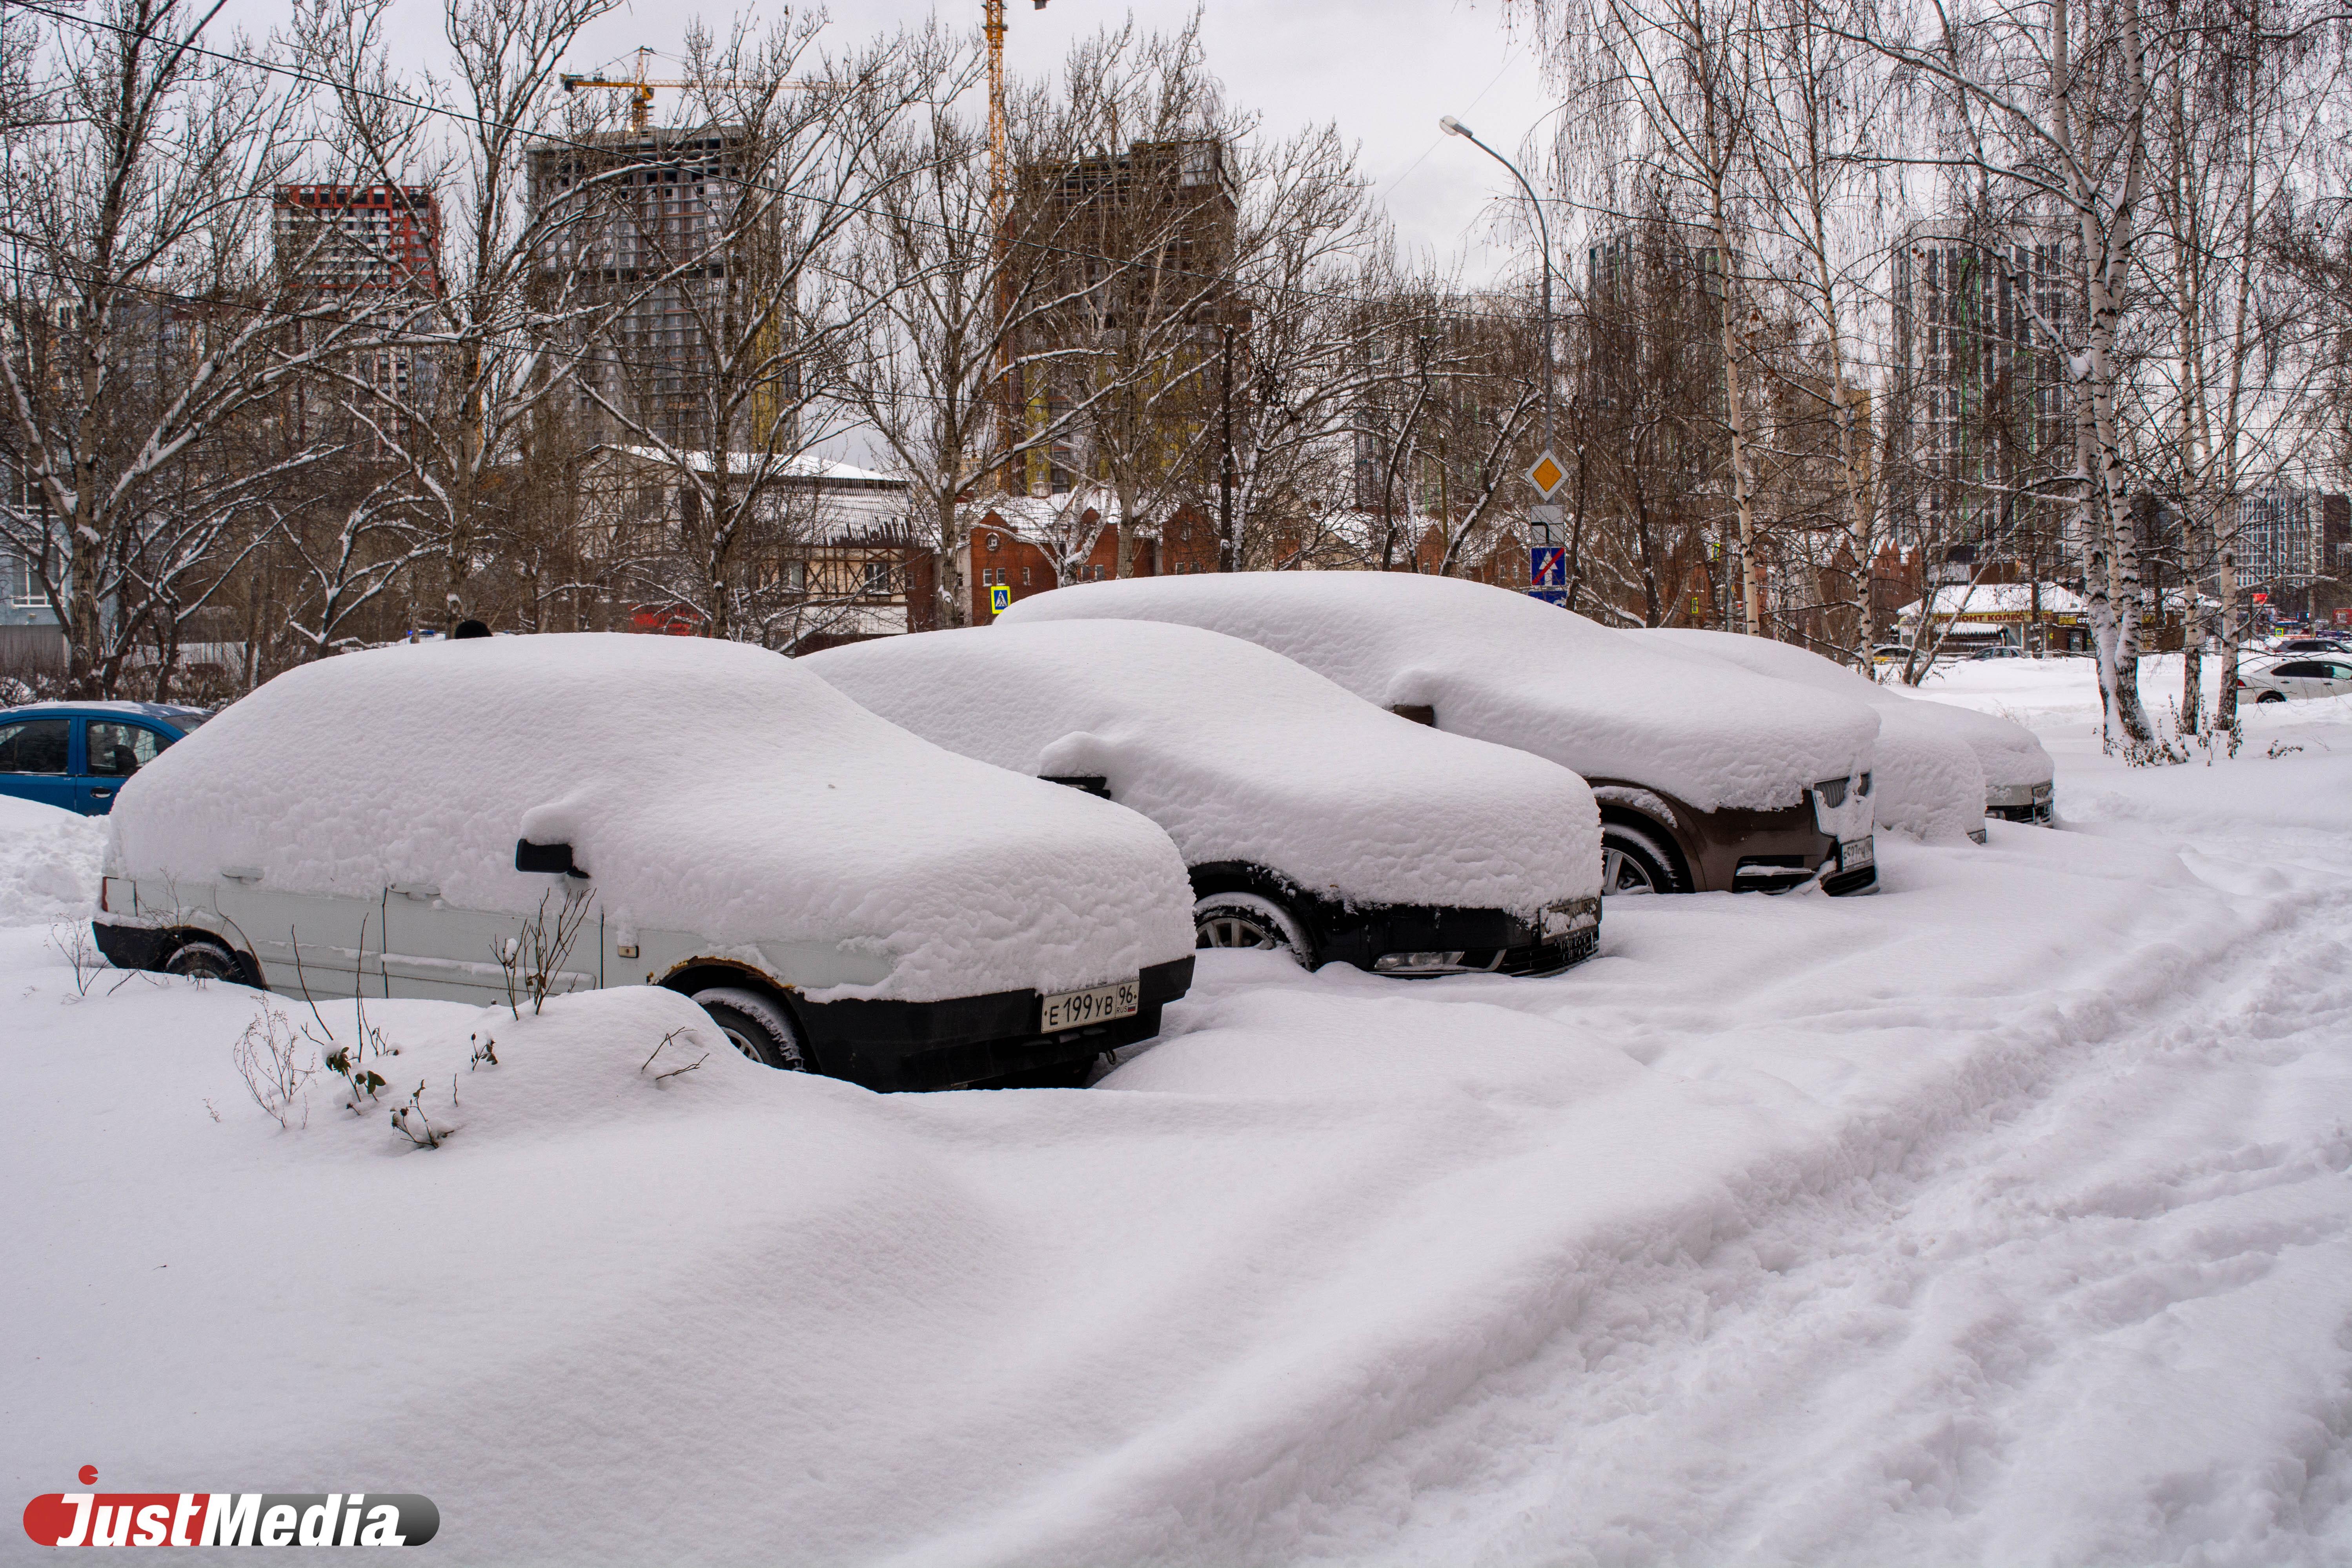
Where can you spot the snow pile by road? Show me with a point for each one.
(1244, 756)
(1502, 666)
(2001, 1218)
(706, 787)
(48, 862)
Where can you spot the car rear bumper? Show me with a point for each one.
(968, 1039)
(2032, 803)
(1414, 941)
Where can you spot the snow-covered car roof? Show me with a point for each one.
(1243, 755)
(1928, 781)
(706, 787)
(2007, 751)
(169, 713)
(1504, 667)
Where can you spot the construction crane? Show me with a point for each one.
(640, 88)
(992, 24)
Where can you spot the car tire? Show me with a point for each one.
(756, 1025)
(1248, 921)
(200, 959)
(2272, 697)
(1633, 861)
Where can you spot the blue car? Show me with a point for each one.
(77, 754)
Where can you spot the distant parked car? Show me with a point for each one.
(1709, 780)
(1999, 650)
(2019, 775)
(2311, 645)
(77, 755)
(838, 896)
(1311, 820)
(2295, 678)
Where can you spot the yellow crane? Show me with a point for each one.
(992, 25)
(640, 88)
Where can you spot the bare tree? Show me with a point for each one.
(144, 318)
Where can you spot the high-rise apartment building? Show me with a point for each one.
(1977, 388)
(377, 246)
(640, 221)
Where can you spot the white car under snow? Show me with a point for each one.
(1923, 787)
(836, 893)
(1311, 820)
(1709, 780)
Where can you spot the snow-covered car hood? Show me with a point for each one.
(1243, 755)
(2007, 751)
(706, 787)
(1506, 667)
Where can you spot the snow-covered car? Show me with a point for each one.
(1709, 780)
(445, 820)
(1927, 785)
(1311, 820)
(2290, 679)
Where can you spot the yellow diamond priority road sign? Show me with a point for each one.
(1547, 475)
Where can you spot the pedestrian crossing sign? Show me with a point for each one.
(1000, 599)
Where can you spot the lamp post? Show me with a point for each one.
(1454, 127)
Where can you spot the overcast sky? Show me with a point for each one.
(1383, 69)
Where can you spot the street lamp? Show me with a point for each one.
(1454, 127)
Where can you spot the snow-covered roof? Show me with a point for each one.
(1050, 522)
(1997, 599)
(1243, 755)
(806, 467)
(707, 787)
(1502, 666)
(170, 711)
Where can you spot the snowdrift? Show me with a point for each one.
(48, 862)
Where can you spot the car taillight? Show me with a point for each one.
(102, 882)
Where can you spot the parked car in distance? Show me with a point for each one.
(2019, 777)
(2311, 645)
(1999, 650)
(1311, 820)
(1709, 780)
(77, 755)
(839, 896)
(2296, 678)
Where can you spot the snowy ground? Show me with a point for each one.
(2001, 1218)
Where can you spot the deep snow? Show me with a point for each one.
(2001, 1217)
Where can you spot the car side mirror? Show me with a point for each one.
(1092, 784)
(548, 857)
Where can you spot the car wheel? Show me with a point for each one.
(201, 960)
(1245, 919)
(1633, 862)
(757, 1026)
(2272, 697)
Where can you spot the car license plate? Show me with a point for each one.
(1856, 852)
(1096, 1004)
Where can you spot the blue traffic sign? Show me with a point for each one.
(1547, 566)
